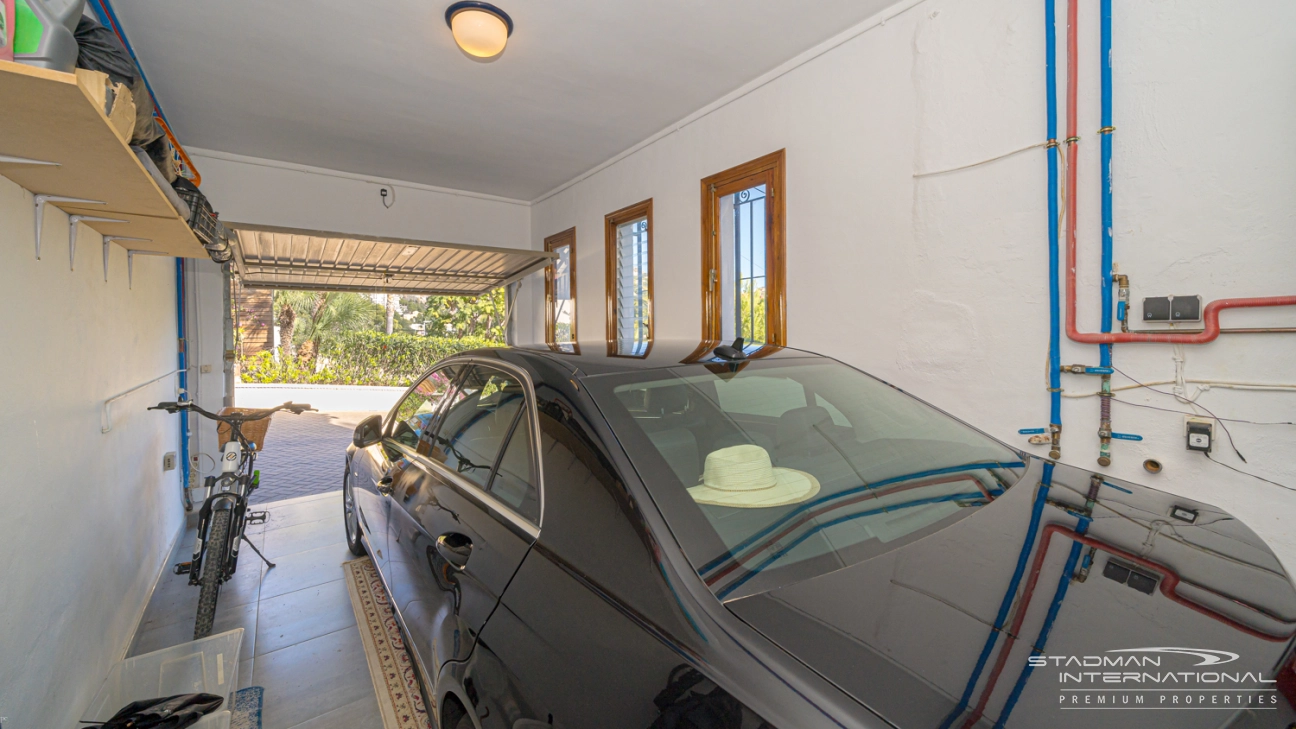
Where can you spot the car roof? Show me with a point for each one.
(591, 358)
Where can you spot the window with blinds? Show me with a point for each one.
(629, 280)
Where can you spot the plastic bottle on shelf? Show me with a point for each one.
(43, 33)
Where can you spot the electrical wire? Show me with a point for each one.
(1244, 473)
(970, 165)
(1173, 535)
(1226, 384)
(1192, 404)
(1185, 412)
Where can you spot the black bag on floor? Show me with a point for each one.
(172, 712)
(684, 706)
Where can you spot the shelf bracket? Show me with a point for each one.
(40, 212)
(130, 264)
(9, 160)
(107, 239)
(72, 226)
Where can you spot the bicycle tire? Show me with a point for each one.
(213, 569)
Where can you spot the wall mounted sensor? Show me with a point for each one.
(1200, 435)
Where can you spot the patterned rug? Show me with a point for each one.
(246, 711)
(390, 666)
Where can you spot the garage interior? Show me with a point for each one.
(1065, 223)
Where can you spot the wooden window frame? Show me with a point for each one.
(769, 171)
(558, 240)
(610, 222)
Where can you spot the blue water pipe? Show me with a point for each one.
(1105, 135)
(1055, 367)
(1055, 296)
(182, 337)
(1041, 641)
(1001, 618)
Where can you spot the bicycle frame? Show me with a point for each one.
(228, 491)
(231, 489)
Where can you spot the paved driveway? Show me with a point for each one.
(304, 454)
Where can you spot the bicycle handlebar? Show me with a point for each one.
(175, 407)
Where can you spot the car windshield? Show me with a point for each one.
(787, 469)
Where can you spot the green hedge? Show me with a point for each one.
(362, 358)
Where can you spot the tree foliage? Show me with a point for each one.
(465, 316)
(319, 318)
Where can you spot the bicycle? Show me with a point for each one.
(224, 514)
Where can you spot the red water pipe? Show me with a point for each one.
(1213, 309)
(1169, 585)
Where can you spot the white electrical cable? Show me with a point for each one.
(1208, 384)
(982, 162)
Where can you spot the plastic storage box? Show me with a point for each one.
(208, 666)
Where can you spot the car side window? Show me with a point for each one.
(477, 420)
(514, 481)
(417, 411)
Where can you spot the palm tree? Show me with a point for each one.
(317, 318)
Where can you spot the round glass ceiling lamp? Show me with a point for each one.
(481, 29)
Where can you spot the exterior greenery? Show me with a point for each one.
(361, 358)
(338, 338)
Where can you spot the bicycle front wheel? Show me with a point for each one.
(213, 569)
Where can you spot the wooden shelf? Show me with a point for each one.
(46, 116)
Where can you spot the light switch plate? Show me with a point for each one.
(169, 461)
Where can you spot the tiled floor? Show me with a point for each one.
(304, 454)
(300, 642)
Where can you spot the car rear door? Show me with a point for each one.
(464, 528)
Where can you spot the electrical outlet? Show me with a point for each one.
(1200, 434)
(169, 461)
(204, 369)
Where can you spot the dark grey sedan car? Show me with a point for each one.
(773, 538)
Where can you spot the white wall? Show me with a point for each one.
(267, 192)
(939, 284)
(250, 190)
(89, 516)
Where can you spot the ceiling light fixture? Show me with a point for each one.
(480, 29)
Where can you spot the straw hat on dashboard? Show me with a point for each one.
(742, 476)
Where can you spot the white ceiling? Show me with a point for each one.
(379, 88)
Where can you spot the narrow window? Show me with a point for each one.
(628, 234)
(743, 255)
(560, 292)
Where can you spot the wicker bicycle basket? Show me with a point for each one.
(253, 430)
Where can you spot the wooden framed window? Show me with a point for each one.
(628, 241)
(744, 259)
(560, 292)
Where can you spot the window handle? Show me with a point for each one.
(711, 284)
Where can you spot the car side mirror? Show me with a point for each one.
(368, 432)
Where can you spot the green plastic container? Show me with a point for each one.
(44, 33)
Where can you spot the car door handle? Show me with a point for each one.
(384, 485)
(455, 549)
